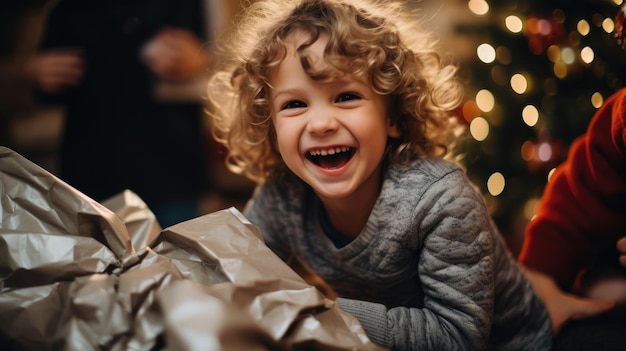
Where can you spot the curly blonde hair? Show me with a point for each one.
(376, 40)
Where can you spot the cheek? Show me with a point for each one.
(375, 136)
(286, 138)
(372, 128)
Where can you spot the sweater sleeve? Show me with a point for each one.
(582, 208)
(371, 315)
(456, 269)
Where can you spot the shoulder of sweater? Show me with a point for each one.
(434, 176)
(423, 171)
(435, 165)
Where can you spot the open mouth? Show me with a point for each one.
(331, 158)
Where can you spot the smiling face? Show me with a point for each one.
(330, 133)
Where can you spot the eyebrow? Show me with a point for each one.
(343, 81)
(284, 92)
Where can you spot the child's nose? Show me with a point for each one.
(322, 122)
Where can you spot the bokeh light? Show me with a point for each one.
(554, 53)
(608, 25)
(479, 7)
(597, 100)
(587, 55)
(583, 27)
(519, 84)
(479, 128)
(486, 53)
(544, 152)
(485, 100)
(514, 24)
(568, 56)
(495, 184)
(530, 115)
(528, 150)
(560, 70)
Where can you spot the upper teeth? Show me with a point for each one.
(325, 152)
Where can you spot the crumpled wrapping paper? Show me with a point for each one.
(76, 274)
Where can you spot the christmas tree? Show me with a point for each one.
(540, 72)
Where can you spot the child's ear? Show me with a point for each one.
(392, 129)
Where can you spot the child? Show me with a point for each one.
(340, 110)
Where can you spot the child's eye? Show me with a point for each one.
(347, 97)
(293, 104)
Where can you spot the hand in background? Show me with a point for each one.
(175, 54)
(607, 282)
(563, 307)
(621, 248)
(55, 70)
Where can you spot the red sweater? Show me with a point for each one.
(582, 213)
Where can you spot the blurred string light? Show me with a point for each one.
(485, 100)
(514, 24)
(553, 53)
(470, 110)
(597, 100)
(583, 27)
(479, 7)
(530, 115)
(486, 53)
(519, 83)
(528, 150)
(544, 152)
(608, 25)
(560, 69)
(587, 55)
(567, 55)
(495, 184)
(479, 128)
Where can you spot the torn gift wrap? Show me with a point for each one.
(76, 274)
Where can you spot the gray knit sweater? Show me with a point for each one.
(429, 271)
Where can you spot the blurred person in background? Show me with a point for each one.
(130, 75)
(575, 248)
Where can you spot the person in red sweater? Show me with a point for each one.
(575, 248)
